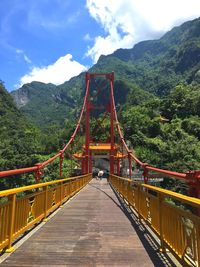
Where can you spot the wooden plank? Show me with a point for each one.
(90, 230)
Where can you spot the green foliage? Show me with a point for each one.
(150, 68)
(22, 144)
(52, 171)
(157, 66)
(182, 153)
(182, 101)
(20, 141)
(172, 145)
(191, 125)
(48, 105)
(154, 79)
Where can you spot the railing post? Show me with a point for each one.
(139, 200)
(61, 193)
(12, 200)
(194, 187)
(45, 188)
(118, 167)
(90, 162)
(116, 183)
(70, 188)
(130, 164)
(198, 243)
(38, 173)
(160, 208)
(83, 165)
(145, 172)
(75, 185)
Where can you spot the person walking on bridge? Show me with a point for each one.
(100, 174)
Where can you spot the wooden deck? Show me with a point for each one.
(90, 230)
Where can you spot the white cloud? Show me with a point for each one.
(58, 72)
(27, 59)
(127, 22)
(21, 52)
(87, 37)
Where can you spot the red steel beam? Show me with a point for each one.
(87, 125)
(17, 171)
(114, 117)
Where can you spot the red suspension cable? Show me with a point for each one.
(61, 152)
(145, 166)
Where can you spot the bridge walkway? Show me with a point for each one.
(89, 230)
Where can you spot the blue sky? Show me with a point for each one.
(54, 40)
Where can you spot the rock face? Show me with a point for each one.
(47, 104)
(28, 92)
(155, 66)
(20, 97)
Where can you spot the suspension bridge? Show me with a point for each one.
(82, 221)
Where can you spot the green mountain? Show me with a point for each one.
(46, 104)
(155, 78)
(20, 141)
(155, 66)
(158, 65)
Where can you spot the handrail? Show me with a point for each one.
(60, 153)
(145, 166)
(167, 172)
(20, 213)
(183, 198)
(177, 227)
(7, 192)
(17, 171)
(166, 192)
(190, 176)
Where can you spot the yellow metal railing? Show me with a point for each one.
(177, 228)
(17, 214)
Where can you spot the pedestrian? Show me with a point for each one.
(100, 174)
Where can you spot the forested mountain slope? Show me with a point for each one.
(158, 65)
(20, 141)
(155, 66)
(154, 79)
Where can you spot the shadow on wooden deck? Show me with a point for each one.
(95, 228)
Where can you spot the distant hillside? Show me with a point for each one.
(47, 104)
(19, 140)
(157, 93)
(155, 66)
(158, 65)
